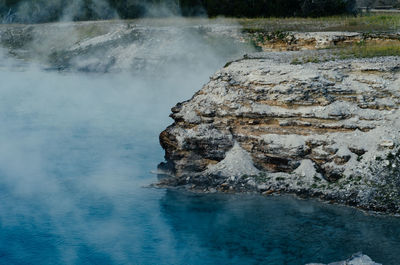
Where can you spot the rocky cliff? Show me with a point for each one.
(262, 124)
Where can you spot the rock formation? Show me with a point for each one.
(327, 130)
(295, 41)
(356, 259)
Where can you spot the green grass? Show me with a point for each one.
(371, 50)
(361, 23)
(357, 50)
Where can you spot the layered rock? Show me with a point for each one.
(328, 129)
(295, 41)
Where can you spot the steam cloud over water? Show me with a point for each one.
(77, 148)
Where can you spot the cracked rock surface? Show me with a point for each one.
(327, 130)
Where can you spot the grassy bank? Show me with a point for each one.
(370, 50)
(374, 22)
(358, 50)
(362, 23)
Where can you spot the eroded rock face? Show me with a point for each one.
(320, 129)
(295, 41)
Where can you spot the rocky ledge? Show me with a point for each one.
(295, 41)
(356, 259)
(328, 130)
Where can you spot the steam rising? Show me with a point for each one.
(39, 11)
(74, 145)
(42, 11)
(77, 148)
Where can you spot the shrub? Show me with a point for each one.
(35, 11)
(318, 8)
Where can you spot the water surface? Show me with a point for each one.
(75, 159)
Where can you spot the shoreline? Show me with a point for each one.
(277, 194)
(302, 197)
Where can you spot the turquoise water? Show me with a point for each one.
(75, 161)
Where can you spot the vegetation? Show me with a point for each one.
(51, 10)
(358, 50)
(368, 50)
(360, 23)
